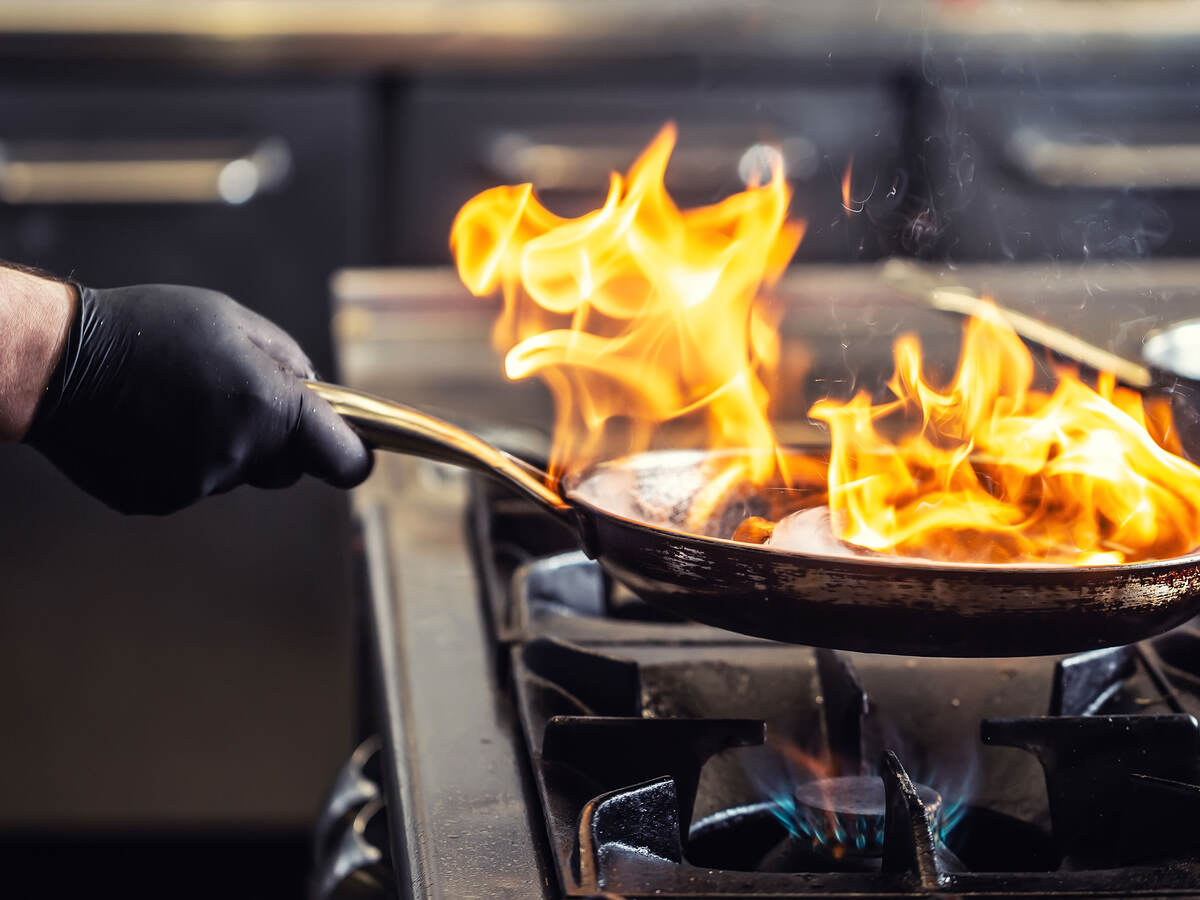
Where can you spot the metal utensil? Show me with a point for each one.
(909, 607)
(1169, 367)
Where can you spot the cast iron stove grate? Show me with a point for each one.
(655, 746)
(625, 779)
(627, 761)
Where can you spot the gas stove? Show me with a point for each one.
(544, 733)
(671, 759)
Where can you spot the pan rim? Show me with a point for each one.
(571, 482)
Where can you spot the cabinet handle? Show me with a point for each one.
(566, 165)
(201, 173)
(1055, 163)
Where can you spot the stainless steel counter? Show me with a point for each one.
(417, 335)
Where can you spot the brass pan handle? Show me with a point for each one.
(389, 426)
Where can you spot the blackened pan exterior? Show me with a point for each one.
(880, 607)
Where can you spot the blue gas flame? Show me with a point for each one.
(777, 777)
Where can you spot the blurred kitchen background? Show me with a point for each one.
(175, 694)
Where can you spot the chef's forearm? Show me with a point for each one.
(35, 316)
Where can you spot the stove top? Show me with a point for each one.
(710, 767)
(547, 734)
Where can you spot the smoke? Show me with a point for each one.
(1013, 163)
(947, 158)
(1123, 227)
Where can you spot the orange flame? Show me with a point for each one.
(639, 313)
(847, 204)
(997, 471)
(647, 324)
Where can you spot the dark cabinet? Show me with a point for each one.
(454, 139)
(195, 668)
(1041, 171)
(122, 185)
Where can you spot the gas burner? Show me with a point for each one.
(839, 824)
(646, 764)
(844, 817)
(753, 838)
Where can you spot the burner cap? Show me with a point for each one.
(846, 815)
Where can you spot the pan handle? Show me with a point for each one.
(915, 281)
(389, 426)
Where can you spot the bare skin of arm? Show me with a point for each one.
(35, 316)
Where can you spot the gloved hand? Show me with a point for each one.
(166, 394)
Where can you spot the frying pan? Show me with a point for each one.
(913, 608)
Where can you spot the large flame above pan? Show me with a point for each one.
(638, 315)
(646, 321)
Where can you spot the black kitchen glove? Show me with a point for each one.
(166, 394)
